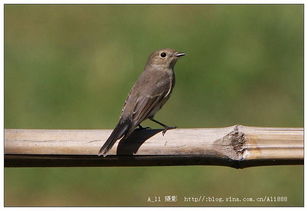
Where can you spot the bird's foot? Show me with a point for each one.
(142, 128)
(168, 128)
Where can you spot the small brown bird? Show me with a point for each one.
(148, 95)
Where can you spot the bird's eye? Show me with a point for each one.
(163, 54)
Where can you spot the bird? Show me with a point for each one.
(147, 96)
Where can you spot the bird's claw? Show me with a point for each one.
(142, 128)
(168, 128)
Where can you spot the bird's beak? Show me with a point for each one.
(179, 54)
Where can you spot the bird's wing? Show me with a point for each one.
(151, 98)
(146, 106)
(148, 95)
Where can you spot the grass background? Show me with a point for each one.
(71, 66)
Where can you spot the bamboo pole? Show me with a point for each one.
(236, 146)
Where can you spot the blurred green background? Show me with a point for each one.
(71, 66)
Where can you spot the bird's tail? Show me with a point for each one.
(119, 131)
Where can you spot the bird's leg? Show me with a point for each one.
(166, 127)
(142, 128)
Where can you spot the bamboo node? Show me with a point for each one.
(238, 141)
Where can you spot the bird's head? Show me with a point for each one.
(164, 58)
